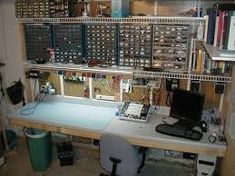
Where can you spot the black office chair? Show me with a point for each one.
(119, 157)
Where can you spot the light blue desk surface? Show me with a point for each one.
(70, 112)
(91, 118)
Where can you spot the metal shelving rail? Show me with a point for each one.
(149, 20)
(191, 76)
(81, 68)
(129, 71)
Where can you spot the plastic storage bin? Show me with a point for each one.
(39, 147)
(120, 8)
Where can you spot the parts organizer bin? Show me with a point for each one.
(38, 41)
(162, 46)
(170, 47)
(101, 43)
(65, 153)
(135, 45)
(68, 43)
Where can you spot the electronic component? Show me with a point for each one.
(171, 84)
(219, 88)
(195, 85)
(68, 45)
(37, 74)
(135, 45)
(134, 112)
(73, 77)
(127, 87)
(206, 165)
(101, 46)
(187, 106)
(178, 131)
(32, 74)
(48, 88)
(170, 47)
(38, 40)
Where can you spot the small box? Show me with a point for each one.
(120, 8)
(66, 158)
(65, 153)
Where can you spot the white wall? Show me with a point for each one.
(10, 53)
(10, 50)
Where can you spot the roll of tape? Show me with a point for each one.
(213, 137)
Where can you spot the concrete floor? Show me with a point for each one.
(86, 164)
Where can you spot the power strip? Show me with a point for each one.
(104, 97)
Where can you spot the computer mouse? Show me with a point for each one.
(203, 126)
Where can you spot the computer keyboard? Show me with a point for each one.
(178, 131)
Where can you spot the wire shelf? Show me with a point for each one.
(82, 68)
(129, 71)
(148, 74)
(149, 20)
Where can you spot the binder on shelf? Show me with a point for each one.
(216, 31)
(223, 11)
(225, 32)
(211, 25)
(220, 32)
(231, 35)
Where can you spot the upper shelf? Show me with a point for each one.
(130, 71)
(219, 54)
(83, 68)
(151, 20)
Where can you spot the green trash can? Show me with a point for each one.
(39, 147)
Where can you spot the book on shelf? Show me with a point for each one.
(199, 62)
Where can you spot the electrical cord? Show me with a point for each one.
(128, 96)
(168, 99)
(153, 109)
(31, 110)
(157, 97)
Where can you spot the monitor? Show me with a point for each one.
(187, 106)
